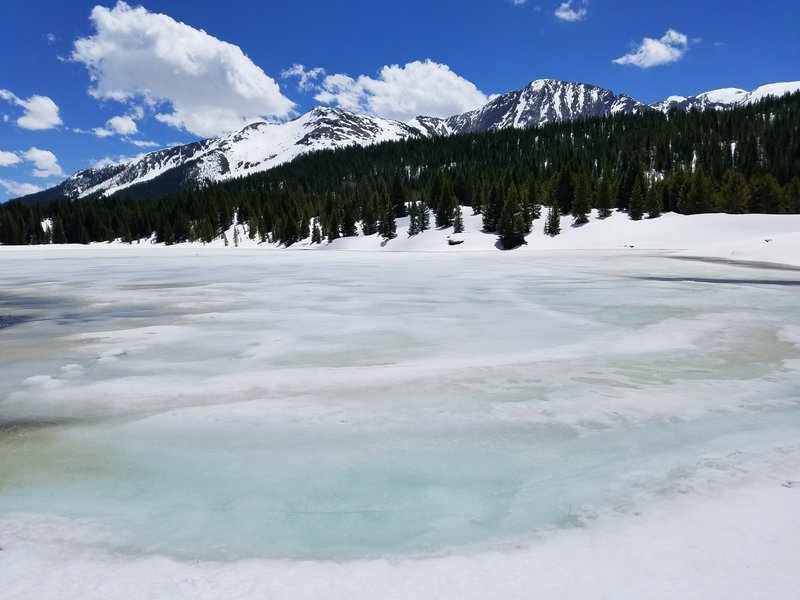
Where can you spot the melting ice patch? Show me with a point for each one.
(339, 406)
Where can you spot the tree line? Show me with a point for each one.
(741, 160)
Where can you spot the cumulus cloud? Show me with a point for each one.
(40, 111)
(120, 125)
(651, 53)
(16, 188)
(197, 82)
(518, 2)
(565, 12)
(8, 158)
(418, 88)
(45, 163)
(307, 78)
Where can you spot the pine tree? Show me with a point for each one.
(387, 226)
(792, 195)
(413, 219)
(316, 234)
(734, 193)
(553, 225)
(603, 202)
(369, 210)
(399, 197)
(767, 195)
(636, 205)
(582, 205)
(445, 205)
(58, 232)
(512, 223)
(697, 195)
(424, 216)
(564, 193)
(626, 183)
(458, 220)
(333, 225)
(491, 211)
(653, 203)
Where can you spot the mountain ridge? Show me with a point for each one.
(261, 145)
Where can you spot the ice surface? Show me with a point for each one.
(454, 412)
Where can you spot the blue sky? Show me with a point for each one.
(84, 83)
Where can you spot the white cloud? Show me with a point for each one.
(8, 158)
(307, 78)
(15, 188)
(120, 125)
(651, 53)
(518, 2)
(565, 12)
(123, 125)
(418, 88)
(45, 163)
(144, 143)
(210, 86)
(40, 111)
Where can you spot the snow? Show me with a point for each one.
(774, 89)
(769, 238)
(261, 146)
(724, 96)
(713, 547)
(575, 418)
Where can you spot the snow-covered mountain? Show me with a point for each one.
(726, 97)
(261, 146)
(540, 102)
(257, 147)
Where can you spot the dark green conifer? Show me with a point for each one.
(552, 226)
(512, 222)
(636, 206)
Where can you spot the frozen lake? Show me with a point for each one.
(223, 405)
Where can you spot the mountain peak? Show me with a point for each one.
(263, 145)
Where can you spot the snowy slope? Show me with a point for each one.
(258, 147)
(726, 97)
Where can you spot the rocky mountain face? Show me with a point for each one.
(540, 102)
(261, 146)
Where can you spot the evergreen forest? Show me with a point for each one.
(741, 160)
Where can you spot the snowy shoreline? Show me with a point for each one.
(742, 238)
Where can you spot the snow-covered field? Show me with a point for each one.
(572, 419)
(754, 237)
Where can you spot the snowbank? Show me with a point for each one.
(753, 237)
